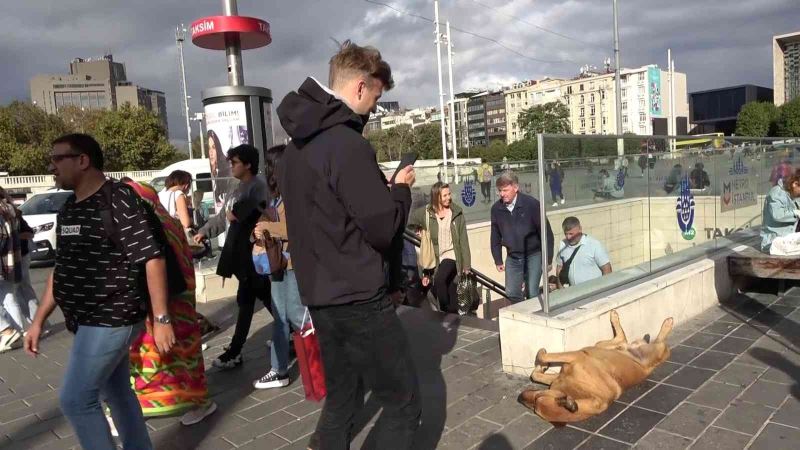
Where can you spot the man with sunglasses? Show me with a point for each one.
(240, 212)
(97, 285)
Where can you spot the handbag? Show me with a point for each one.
(427, 257)
(468, 297)
(309, 360)
(563, 276)
(268, 255)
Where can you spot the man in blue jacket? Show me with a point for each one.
(516, 225)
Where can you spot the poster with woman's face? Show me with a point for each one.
(227, 128)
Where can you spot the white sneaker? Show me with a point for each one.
(563, 201)
(271, 380)
(555, 204)
(198, 414)
(7, 340)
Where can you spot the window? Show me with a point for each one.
(641, 77)
(583, 123)
(591, 86)
(569, 89)
(642, 117)
(603, 94)
(591, 110)
(641, 91)
(624, 119)
(623, 92)
(604, 120)
(624, 106)
(581, 88)
(519, 95)
(567, 99)
(581, 99)
(641, 103)
(592, 122)
(514, 134)
(582, 111)
(591, 98)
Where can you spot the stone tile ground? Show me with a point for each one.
(733, 381)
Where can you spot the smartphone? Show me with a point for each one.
(408, 159)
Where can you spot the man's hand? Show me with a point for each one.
(426, 280)
(31, 341)
(406, 176)
(501, 268)
(164, 337)
(198, 238)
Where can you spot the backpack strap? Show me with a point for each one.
(107, 214)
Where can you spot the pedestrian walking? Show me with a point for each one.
(516, 225)
(287, 309)
(97, 284)
(343, 225)
(240, 212)
(176, 382)
(486, 176)
(447, 229)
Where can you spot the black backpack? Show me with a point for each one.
(176, 284)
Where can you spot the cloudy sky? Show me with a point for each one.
(716, 42)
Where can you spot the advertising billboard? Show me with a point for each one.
(226, 125)
(654, 91)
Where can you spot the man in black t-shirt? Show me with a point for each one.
(97, 284)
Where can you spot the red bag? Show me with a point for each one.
(309, 360)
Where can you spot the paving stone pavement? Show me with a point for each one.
(732, 382)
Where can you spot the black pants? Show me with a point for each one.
(444, 286)
(486, 189)
(366, 341)
(250, 288)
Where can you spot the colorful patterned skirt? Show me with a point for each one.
(176, 382)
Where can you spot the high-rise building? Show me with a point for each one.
(495, 117)
(786, 67)
(476, 119)
(94, 83)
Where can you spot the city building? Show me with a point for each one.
(716, 110)
(524, 95)
(476, 119)
(495, 117)
(644, 101)
(389, 106)
(94, 83)
(461, 125)
(786, 67)
(384, 119)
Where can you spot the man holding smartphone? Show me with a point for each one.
(343, 223)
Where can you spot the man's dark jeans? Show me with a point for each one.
(366, 341)
(250, 288)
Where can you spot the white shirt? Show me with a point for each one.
(511, 205)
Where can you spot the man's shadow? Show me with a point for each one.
(431, 335)
(778, 361)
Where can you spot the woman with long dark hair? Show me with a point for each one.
(286, 306)
(220, 167)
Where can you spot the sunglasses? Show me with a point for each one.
(58, 158)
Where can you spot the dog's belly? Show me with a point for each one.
(602, 373)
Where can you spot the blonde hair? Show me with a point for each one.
(353, 61)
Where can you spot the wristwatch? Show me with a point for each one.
(164, 319)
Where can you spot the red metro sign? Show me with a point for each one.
(209, 32)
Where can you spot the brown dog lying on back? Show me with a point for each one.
(593, 377)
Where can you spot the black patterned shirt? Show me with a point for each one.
(95, 283)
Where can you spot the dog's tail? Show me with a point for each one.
(666, 329)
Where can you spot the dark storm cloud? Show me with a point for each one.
(716, 42)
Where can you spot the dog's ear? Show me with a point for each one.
(646, 338)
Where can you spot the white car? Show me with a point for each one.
(40, 212)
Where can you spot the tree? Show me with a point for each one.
(788, 121)
(522, 150)
(550, 117)
(427, 141)
(133, 139)
(25, 135)
(757, 119)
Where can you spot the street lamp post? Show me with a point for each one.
(198, 117)
(617, 84)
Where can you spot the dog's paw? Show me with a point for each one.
(540, 366)
(567, 403)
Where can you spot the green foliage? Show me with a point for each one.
(550, 118)
(131, 138)
(25, 135)
(788, 120)
(390, 144)
(757, 119)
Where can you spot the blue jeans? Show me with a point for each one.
(286, 308)
(99, 366)
(519, 269)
